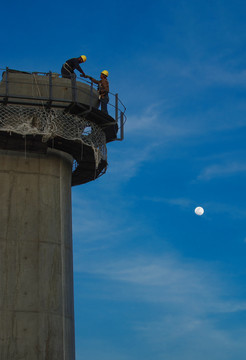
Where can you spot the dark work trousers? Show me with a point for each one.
(70, 75)
(104, 102)
(67, 74)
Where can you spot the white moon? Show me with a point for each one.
(199, 210)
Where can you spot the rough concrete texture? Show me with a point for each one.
(36, 267)
(37, 86)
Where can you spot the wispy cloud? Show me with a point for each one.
(222, 170)
(96, 221)
(196, 337)
(234, 211)
(181, 202)
(183, 297)
(217, 73)
(124, 165)
(212, 72)
(193, 286)
(91, 348)
(211, 207)
(157, 122)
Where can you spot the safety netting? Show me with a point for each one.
(52, 123)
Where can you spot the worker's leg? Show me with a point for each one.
(104, 102)
(65, 73)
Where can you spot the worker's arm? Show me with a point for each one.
(77, 67)
(92, 79)
(81, 71)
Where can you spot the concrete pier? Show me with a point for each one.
(36, 265)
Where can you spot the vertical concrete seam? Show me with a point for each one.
(38, 339)
(62, 262)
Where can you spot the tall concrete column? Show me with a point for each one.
(36, 266)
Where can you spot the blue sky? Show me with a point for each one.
(152, 279)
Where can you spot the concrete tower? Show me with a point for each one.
(52, 136)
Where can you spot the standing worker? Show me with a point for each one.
(103, 88)
(70, 65)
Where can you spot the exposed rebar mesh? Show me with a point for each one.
(26, 120)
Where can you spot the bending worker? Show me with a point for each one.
(103, 88)
(70, 65)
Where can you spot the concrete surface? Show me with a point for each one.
(32, 86)
(36, 264)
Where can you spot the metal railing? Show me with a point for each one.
(117, 108)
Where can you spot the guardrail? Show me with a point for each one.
(116, 111)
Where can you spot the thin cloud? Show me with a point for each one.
(201, 74)
(157, 123)
(103, 349)
(193, 335)
(184, 299)
(217, 74)
(235, 212)
(222, 170)
(191, 287)
(96, 221)
(127, 164)
(181, 202)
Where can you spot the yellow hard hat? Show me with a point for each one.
(83, 57)
(104, 72)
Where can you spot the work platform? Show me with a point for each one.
(42, 111)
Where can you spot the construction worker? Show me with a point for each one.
(70, 65)
(103, 89)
